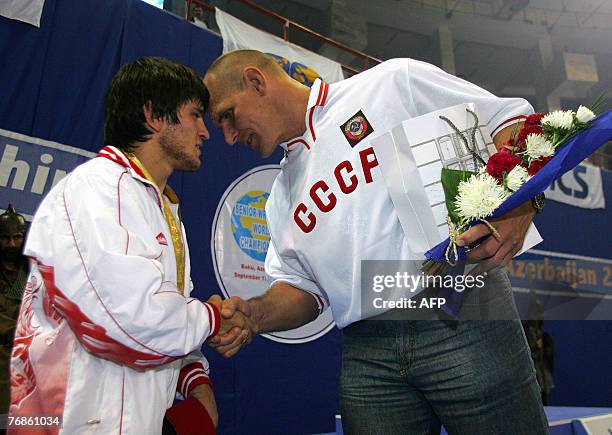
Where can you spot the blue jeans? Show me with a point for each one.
(411, 376)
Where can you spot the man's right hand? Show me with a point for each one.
(281, 308)
(237, 327)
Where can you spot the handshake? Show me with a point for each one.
(237, 325)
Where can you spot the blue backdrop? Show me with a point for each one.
(53, 81)
(583, 349)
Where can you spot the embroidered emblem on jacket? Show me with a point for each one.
(356, 128)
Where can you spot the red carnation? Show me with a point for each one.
(527, 130)
(534, 119)
(500, 163)
(536, 165)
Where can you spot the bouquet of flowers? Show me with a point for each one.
(545, 148)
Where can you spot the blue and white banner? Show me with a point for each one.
(561, 286)
(30, 167)
(28, 11)
(301, 64)
(240, 239)
(580, 187)
(549, 270)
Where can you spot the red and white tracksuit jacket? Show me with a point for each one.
(105, 338)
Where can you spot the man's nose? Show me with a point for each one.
(203, 132)
(231, 134)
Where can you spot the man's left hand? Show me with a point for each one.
(204, 393)
(491, 253)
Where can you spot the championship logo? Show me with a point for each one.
(356, 128)
(239, 242)
(249, 225)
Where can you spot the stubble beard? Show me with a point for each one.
(172, 148)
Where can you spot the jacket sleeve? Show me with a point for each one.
(95, 244)
(286, 268)
(289, 271)
(195, 371)
(431, 88)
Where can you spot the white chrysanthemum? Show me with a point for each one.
(479, 196)
(559, 119)
(584, 114)
(516, 178)
(537, 146)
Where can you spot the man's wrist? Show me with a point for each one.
(255, 320)
(202, 391)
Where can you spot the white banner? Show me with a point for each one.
(301, 64)
(580, 187)
(28, 11)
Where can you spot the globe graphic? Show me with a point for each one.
(298, 71)
(249, 225)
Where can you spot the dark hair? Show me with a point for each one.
(164, 84)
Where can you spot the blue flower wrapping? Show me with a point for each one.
(567, 156)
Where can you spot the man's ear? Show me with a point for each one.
(255, 79)
(154, 122)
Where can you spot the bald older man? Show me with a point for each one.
(329, 209)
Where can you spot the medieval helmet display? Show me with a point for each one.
(11, 222)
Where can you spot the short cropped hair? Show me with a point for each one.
(229, 66)
(163, 84)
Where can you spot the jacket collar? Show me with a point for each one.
(117, 156)
(317, 98)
